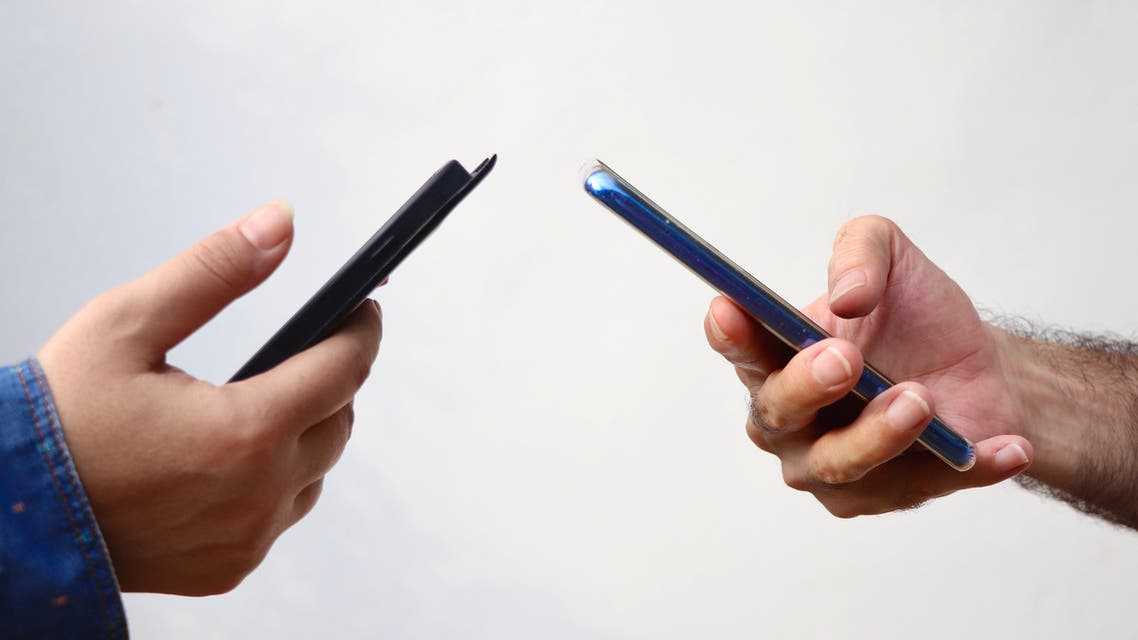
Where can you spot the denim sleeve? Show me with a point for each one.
(56, 579)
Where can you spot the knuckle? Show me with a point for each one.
(257, 512)
(116, 305)
(246, 441)
(767, 419)
(221, 259)
(358, 358)
(362, 370)
(794, 478)
(117, 315)
(229, 416)
(843, 231)
(758, 437)
(252, 535)
(841, 508)
(830, 474)
(250, 429)
(752, 375)
(306, 501)
(229, 567)
(234, 437)
(245, 559)
(220, 583)
(862, 228)
(260, 512)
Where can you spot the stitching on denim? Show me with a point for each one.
(94, 556)
(62, 497)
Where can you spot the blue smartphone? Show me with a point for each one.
(771, 311)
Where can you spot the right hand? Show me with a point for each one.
(887, 301)
(191, 483)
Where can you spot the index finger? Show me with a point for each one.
(743, 342)
(318, 381)
(817, 377)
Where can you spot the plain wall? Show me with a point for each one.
(547, 446)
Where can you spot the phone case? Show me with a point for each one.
(363, 272)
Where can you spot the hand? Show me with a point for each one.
(190, 482)
(888, 301)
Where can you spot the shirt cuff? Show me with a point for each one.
(56, 577)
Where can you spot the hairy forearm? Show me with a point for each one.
(1078, 396)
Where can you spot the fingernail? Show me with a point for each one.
(907, 411)
(847, 283)
(831, 367)
(1010, 457)
(267, 227)
(715, 330)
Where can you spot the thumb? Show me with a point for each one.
(175, 299)
(860, 265)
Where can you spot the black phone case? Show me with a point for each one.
(363, 272)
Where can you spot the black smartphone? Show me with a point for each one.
(363, 272)
(779, 317)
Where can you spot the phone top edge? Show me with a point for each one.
(476, 176)
(446, 194)
(590, 166)
(393, 254)
(598, 178)
(692, 251)
(485, 166)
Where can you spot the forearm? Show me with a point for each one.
(1078, 397)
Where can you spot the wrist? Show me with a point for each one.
(1041, 397)
(1075, 405)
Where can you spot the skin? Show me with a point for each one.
(889, 304)
(191, 483)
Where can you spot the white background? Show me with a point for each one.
(547, 447)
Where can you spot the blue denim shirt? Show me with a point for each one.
(56, 579)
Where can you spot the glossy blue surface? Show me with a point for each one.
(764, 305)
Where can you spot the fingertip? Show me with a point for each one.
(852, 295)
(859, 266)
(830, 365)
(714, 331)
(846, 284)
(811, 380)
(285, 207)
(834, 362)
(370, 314)
(911, 408)
(727, 321)
(1000, 458)
(269, 226)
(378, 314)
(1014, 456)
